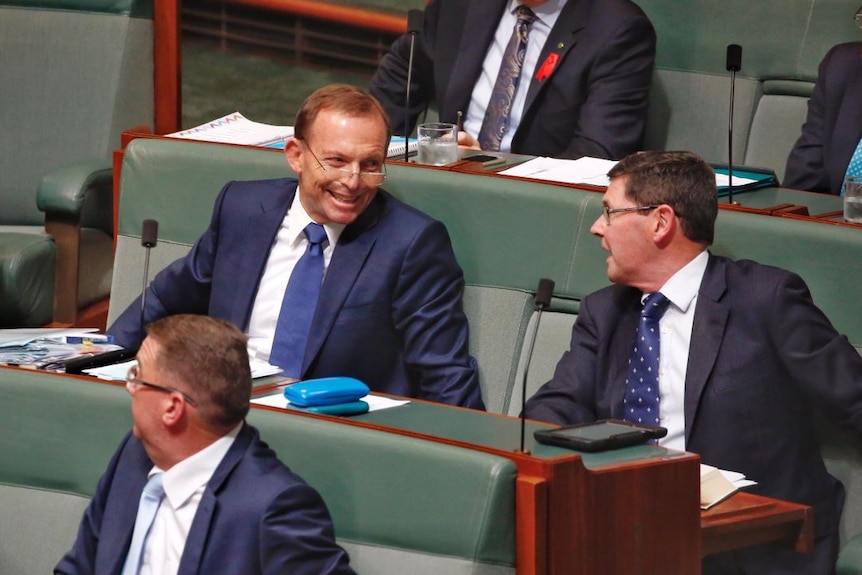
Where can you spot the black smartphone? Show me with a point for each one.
(600, 435)
(485, 159)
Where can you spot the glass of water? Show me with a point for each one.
(438, 143)
(853, 199)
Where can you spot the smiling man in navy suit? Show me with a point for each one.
(389, 306)
(582, 90)
(221, 500)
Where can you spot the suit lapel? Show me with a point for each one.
(475, 40)
(710, 321)
(563, 36)
(849, 116)
(255, 246)
(621, 347)
(202, 524)
(348, 259)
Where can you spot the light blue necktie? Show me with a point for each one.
(297, 307)
(854, 168)
(497, 115)
(151, 498)
(641, 400)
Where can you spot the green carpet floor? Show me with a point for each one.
(217, 82)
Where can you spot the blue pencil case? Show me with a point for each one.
(325, 391)
(349, 408)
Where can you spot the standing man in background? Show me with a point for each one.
(732, 357)
(328, 274)
(559, 78)
(193, 489)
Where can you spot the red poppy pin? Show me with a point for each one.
(547, 67)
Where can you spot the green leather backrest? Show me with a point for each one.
(382, 489)
(75, 74)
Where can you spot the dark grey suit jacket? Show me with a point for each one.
(594, 102)
(762, 356)
(833, 128)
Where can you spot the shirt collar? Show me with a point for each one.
(183, 479)
(297, 219)
(682, 287)
(542, 11)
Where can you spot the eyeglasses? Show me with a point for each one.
(858, 17)
(368, 178)
(608, 211)
(133, 380)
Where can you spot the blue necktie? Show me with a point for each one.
(297, 307)
(641, 400)
(496, 122)
(151, 498)
(854, 168)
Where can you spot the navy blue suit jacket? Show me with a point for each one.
(255, 516)
(593, 103)
(390, 310)
(761, 356)
(833, 127)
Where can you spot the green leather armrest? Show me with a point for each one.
(81, 192)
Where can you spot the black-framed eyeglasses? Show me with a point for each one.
(368, 178)
(609, 211)
(132, 379)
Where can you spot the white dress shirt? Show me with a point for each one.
(675, 327)
(184, 485)
(289, 245)
(547, 14)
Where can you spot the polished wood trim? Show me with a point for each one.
(341, 14)
(167, 69)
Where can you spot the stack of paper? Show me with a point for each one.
(716, 485)
(237, 129)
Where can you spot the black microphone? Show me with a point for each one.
(149, 238)
(414, 25)
(734, 64)
(149, 235)
(544, 291)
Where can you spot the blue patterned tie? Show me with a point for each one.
(151, 498)
(640, 402)
(854, 168)
(297, 307)
(496, 122)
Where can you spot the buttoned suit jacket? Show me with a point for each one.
(390, 308)
(761, 355)
(832, 130)
(255, 516)
(593, 103)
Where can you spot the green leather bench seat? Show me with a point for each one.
(783, 43)
(395, 501)
(76, 73)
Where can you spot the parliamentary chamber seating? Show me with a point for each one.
(782, 46)
(75, 74)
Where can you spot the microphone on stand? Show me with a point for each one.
(414, 25)
(544, 291)
(149, 238)
(734, 64)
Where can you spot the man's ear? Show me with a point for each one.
(293, 153)
(174, 410)
(665, 224)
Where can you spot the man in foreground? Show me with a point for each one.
(740, 356)
(213, 497)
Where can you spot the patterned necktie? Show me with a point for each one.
(298, 305)
(640, 402)
(496, 122)
(854, 168)
(151, 498)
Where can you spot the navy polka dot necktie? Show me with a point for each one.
(641, 399)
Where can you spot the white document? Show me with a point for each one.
(237, 129)
(723, 180)
(23, 336)
(375, 402)
(592, 171)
